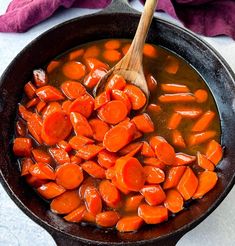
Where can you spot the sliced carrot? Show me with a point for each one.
(75, 159)
(88, 182)
(201, 95)
(107, 159)
(214, 152)
(188, 184)
(112, 55)
(93, 63)
(172, 65)
(51, 108)
(188, 112)
(131, 147)
(177, 98)
(65, 106)
(132, 203)
(163, 150)
(174, 201)
(120, 186)
(93, 169)
(174, 121)
(77, 142)
(69, 175)
(112, 44)
(74, 70)
(52, 66)
(129, 223)
(115, 82)
(137, 135)
(136, 96)
(202, 137)
(203, 122)
(153, 214)
(206, 181)
(40, 77)
(24, 113)
(109, 193)
(56, 127)
(151, 82)
(73, 55)
(32, 102)
(93, 77)
(89, 151)
(178, 139)
(150, 51)
(102, 99)
(34, 125)
(174, 88)
(40, 106)
(92, 51)
(20, 128)
(110, 172)
(49, 93)
(80, 125)
(76, 215)
(73, 89)
(22, 146)
(130, 173)
(88, 217)
(29, 90)
(26, 163)
(34, 181)
(173, 177)
(59, 155)
(205, 163)
(125, 48)
(107, 218)
(93, 200)
(183, 159)
(50, 190)
(154, 175)
(99, 129)
(64, 145)
(143, 123)
(152, 161)
(42, 171)
(41, 156)
(153, 194)
(66, 203)
(147, 150)
(154, 108)
(121, 96)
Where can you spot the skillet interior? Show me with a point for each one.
(213, 69)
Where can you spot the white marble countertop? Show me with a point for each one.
(17, 229)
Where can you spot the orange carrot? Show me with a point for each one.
(73, 55)
(32, 102)
(93, 77)
(150, 51)
(22, 146)
(40, 106)
(49, 93)
(154, 108)
(107, 218)
(42, 171)
(41, 156)
(153, 194)
(131, 147)
(121, 96)
(93, 200)
(92, 51)
(143, 123)
(65, 106)
(206, 181)
(137, 135)
(203, 122)
(178, 139)
(129, 223)
(172, 65)
(89, 151)
(64, 145)
(151, 82)
(50, 190)
(198, 138)
(93, 63)
(77, 142)
(147, 150)
(26, 163)
(120, 186)
(88, 182)
(188, 184)
(214, 152)
(201, 96)
(24, 113)
(93, 169)
(132, 203)
(183, 159)
(174, 201)
(112, 44)
(51, 108)
(112, 55)
(205, 163)
(188, 112)
(40, 77)
(88, 217)
(74, 70)
(110, 172)
(174, 121)
(177, 98)
(107, 159)
(102, 99)
(115, 82)
(153, 214)
(29, 90)
(66, 203)
(60, 156)
(75, 159)
(76, 215)
(152, 161)
(52, 66)
(99, 129)
(20, 128)
(73, 89)
(34, 125)
(125, 48)
(174, 88)
(154, 175)
(173, 177)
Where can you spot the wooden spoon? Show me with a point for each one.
(131, 66)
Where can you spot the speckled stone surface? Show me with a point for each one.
(17, 229)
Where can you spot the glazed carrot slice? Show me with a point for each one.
(174, 201)
(112, 44)
(132, 203)
(69, 175)
(93, 200)
(154, 108)
(107, 159)
(80, 125)
(115, 82)
(163, 150)
(110, 172)
(51, 108)
(35, 182)
(22, 146)
(40, 77)
(201, 96)
(93, 77)
(173, 177)
(76, 215)
(73, 55)
(199, 138)
(26, 163)
(65, 106)
(77, 142)
(88, 217)
(32, 102)
(119, 184)
(119, 136)
(152, 161)
(56, 127)
(150, 51)
(154, 175)
(174, 121)
(109, 193)
(99, 129)
(107, 218)
(121, 96)
(147, 150)
(34, 125)
(205, 163)
(93, 169)
(131, 147)
(136, 96)
(125, 48)
(40, 106)
(49, 93)
(50, 190)
(153, 194)
(112, 55)
(41, 156)
(151, 82)
(89, 151)
(60, 156)
(183, 159)
(203, 122)
(177, 98)
(52, 66)
(174, 88)
(102, 99)
(20, 128)
(214, 152)
(93, 63)
(178, 139)
(206, 181)
(88, 182)
(83, 105)
(29, 90)
(24, 113)
(188, 112)
(75, 159)
(73, 89)
(92, 51)
(74, 70)
(153, 214)
(64, 145)
(66, 203)
(188, 184)
(42, 171)
(143, 123)
(135, 151)
(172, 65)
(129, 223)
(130, 173)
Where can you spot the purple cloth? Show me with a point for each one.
(206, 17)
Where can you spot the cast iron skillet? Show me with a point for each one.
(117, 21)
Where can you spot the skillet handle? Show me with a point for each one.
(119, 6)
